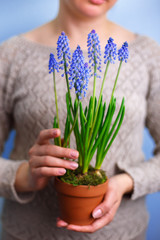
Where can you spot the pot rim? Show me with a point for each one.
(80, 190)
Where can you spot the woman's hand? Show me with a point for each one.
(45, 161)
(105, 212)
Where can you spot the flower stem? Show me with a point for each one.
(55, 93)
(74, 123)
(67, 82)
(120, 64)
(94, 90)
(100, 95)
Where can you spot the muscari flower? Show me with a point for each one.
(53, 64)
(123, 52)
(79, 73)
(94, 51)
(110, 52)
(63, 51)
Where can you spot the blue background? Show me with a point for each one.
(140, 16)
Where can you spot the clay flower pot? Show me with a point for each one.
(77, 203)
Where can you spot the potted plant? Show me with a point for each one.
(83, 189)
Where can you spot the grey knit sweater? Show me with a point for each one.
(27, 104)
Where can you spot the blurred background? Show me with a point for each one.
(142, 17)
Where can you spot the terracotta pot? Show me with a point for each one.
(77, 203)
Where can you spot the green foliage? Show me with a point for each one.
(94, 128)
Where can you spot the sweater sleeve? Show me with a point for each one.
(146, 175)
(8, 168)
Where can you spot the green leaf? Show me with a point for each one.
(95, 105)
(55, 122)
(113, 108)
(95, 132)
(116, 131)
(119, 118)
(55, 125)
(87, 128)
(75, 106)
(82, 121)
(67, 129)
(104, 108)
(102, 144)
(78, 138)
(90, 109)
(85, 111)
(69, 108)
(106, 124)
(97, 126)
(116, 121)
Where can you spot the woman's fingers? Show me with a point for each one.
(48, 172)
(96, 225)
(61, 223)
(45, 160)
(47, 134)
(109, 201)
(48, 161)
(54, 151)
(106, 218)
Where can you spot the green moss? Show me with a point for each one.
(92, 178)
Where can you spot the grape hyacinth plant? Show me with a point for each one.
(92, 125)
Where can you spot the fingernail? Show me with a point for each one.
(97, 213)
(54, 132)
(74, 154)
(74, 165)
(62, 171)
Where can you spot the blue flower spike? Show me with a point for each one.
(94, 51)
(63, 51)
(110, 53)
(123, 52)
(53, 64)
(79, 73)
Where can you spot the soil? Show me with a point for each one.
(94, 177)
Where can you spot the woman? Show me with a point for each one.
(30, 210)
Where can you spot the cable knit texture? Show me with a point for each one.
(27, 105)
